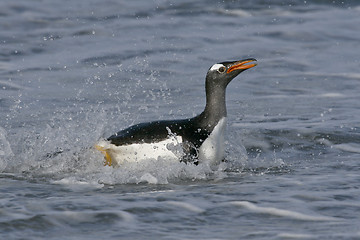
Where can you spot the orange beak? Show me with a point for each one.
(242, 65)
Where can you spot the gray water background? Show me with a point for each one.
(73, 72)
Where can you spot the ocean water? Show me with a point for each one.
(74, 72)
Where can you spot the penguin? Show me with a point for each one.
(193, 140)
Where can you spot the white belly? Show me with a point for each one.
(170, 148)
(213, 148)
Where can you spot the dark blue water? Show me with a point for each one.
(73, 72)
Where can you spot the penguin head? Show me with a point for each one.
(221, 74)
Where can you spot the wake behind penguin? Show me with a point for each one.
(194, 140)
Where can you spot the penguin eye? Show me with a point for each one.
(221, 69)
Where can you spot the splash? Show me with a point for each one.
(5, 149)
(63, 153)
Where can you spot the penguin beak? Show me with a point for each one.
(242, 64)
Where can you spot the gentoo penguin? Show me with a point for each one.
(196, 139)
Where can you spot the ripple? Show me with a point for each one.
(186, 206)
(280, 212)
(10, 86)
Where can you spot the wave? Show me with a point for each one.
(280, 212)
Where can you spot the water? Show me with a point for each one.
(73, 72)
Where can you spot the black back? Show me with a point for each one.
(189, 129)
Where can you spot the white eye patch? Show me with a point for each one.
(216, 67)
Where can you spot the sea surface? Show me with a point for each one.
(75, 72)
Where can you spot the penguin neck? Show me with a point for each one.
(215, 108)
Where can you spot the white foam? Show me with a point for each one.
(148, 178)
(152, 171)
(280, 212)
(74, 182)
